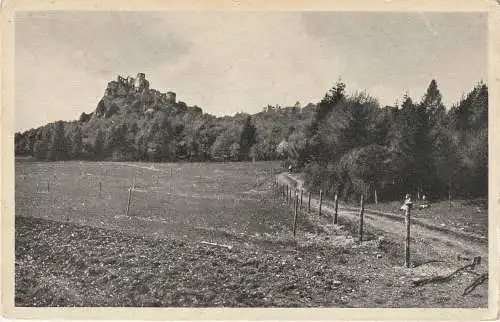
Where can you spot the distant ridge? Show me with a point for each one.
(133, 121)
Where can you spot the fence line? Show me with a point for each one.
(297, 204)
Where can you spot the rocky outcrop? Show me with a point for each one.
(133, 94)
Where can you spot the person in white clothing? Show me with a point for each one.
(407, 202)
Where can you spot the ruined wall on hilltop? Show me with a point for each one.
(134, 93)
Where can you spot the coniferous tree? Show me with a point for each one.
(432, 103)
(403, 144)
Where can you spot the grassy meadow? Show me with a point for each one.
(168, 199)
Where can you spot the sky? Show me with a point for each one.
(232, 61)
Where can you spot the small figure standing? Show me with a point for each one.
(407, 203)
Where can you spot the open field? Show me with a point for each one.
(75, 247)
(467, 216)
(168, 199)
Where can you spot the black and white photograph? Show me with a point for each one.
(250, 159)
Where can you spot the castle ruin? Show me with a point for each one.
(171, 97)
(138, 89)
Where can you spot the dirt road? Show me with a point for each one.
(427, 242)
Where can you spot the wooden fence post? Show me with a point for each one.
(335, 214)
(309, 203)
(130, 194)
(295, 205)
(320, 201)
(129, 197)
(100, 188)
(361, 215)
(48, 185)
(301, 193)
(407, 241)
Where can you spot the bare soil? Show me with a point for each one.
(59, 264)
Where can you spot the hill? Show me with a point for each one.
(346, 143)
(133, 122)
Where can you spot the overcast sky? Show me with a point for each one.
(228, 62)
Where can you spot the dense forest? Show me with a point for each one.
(352, 146)
(345, 143)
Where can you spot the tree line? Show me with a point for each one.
(346, 143)
(353, 147)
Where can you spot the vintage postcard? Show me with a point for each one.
(239, 161)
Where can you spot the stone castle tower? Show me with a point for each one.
(171, 97)
(140, 83)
